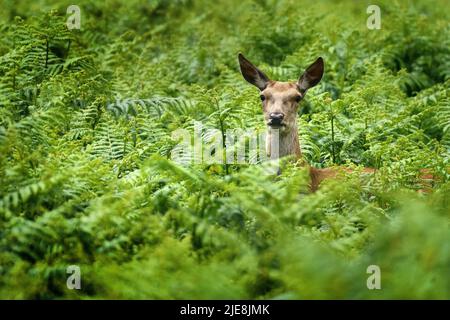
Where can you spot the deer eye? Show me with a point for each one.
(262, 97)
(298, 98)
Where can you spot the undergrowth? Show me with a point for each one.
(87, 179)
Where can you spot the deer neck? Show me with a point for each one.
(286, 140)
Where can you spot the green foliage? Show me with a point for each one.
(86, 124)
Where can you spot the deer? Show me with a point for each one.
(280, 102)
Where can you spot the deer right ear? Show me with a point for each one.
(252, 74)
(312, 76)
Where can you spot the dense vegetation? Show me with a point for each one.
(86, 122)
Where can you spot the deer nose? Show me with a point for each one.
(276, 117)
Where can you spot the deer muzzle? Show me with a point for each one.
(276, 119)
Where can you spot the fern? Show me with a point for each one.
(92, 173)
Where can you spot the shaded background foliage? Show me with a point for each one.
(86, 118)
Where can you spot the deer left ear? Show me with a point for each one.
(312, 76)
(252, 74)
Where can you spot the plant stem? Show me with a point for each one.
(68, 49)
(46, 53)
(222, 130)
(332, 139)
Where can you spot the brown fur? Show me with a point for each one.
(319, 175)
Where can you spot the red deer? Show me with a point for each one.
(280, 102)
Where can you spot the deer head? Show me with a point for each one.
(280, 101)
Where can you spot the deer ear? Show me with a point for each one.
(252, 74)
(312, 76)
